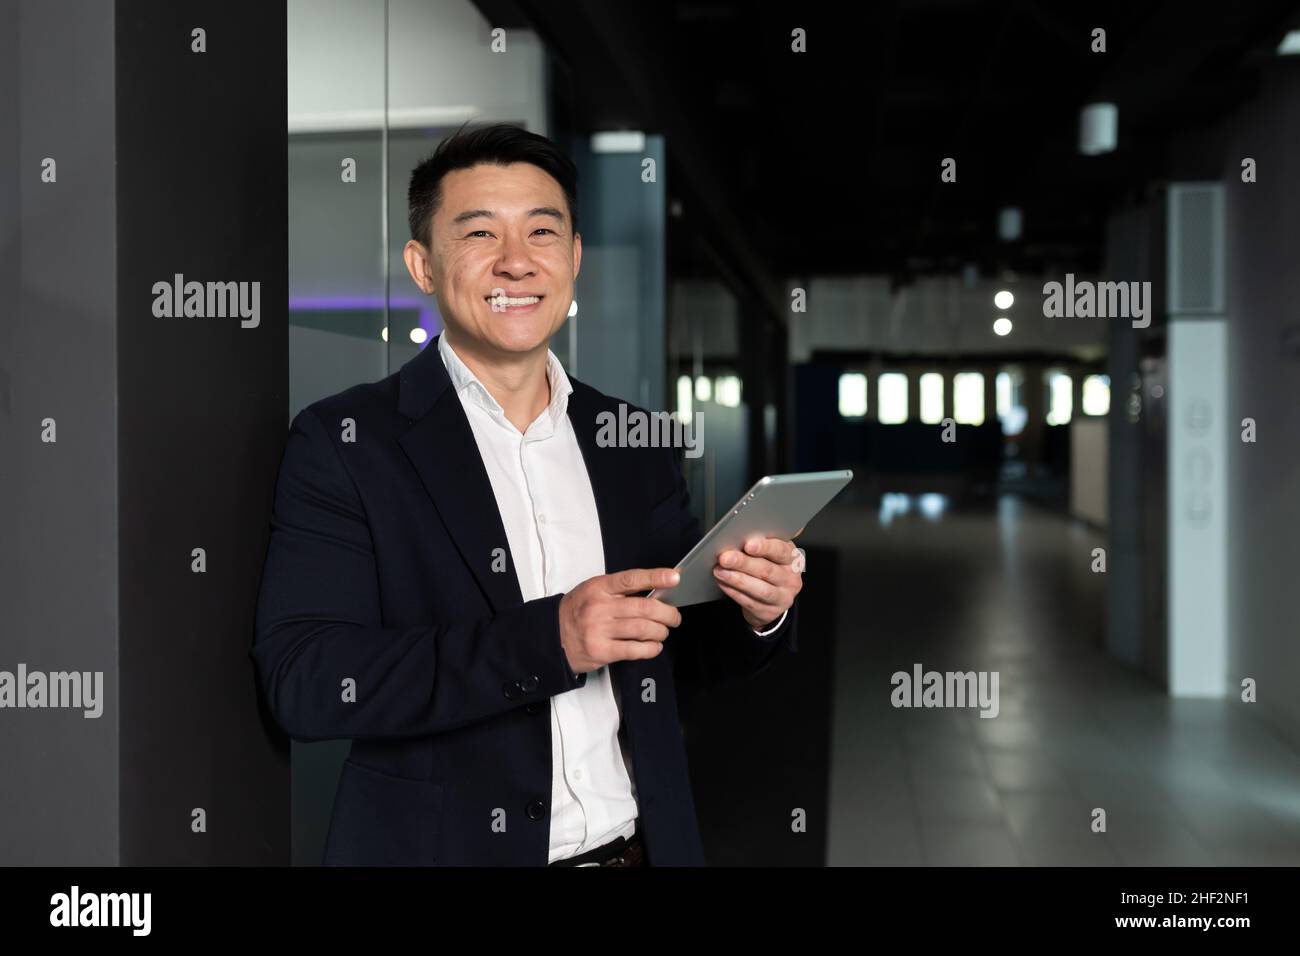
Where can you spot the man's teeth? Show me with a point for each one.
(507, 301)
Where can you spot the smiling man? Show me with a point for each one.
(456, 574)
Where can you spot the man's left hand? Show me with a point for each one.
(761, 579)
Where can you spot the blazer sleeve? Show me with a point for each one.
(714, 645)
(318, 624)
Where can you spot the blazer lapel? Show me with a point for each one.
(618, 506)
(441, 446)
(620, 524)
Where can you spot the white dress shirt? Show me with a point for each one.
(548, 509)
(543, 492)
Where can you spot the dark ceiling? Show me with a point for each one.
(828, 162)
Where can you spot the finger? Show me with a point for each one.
(636, 629)
(763, 568)
(757, 608)
(633, 650)
(641, 579)
(649, 608)
(756, 588)
(774, 549)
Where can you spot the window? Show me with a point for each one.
(891, 393)
(1009, 389)
(703, 388)
(968, 398)
(726, 390)
(1060, 397)
(684, 399)
(853, 395)
(931, 398)
(1096, 395)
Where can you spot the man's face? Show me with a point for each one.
(500, 230)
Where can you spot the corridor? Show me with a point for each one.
(1009, 588)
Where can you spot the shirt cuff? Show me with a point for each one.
(779, 622)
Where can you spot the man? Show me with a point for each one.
(456, 569)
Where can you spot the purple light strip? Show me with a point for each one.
(429, 318)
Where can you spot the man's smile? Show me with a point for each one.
(513, 303)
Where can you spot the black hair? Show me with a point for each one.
(500, 144)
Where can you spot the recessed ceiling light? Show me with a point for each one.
(618, 141)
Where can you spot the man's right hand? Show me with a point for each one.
(603, 620)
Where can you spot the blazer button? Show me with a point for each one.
(534, 707)
(530, 684)
(535, 810)
(512, 689)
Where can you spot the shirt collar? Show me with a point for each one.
(467, 385)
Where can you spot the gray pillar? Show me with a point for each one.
(169, 430)
(58, 363)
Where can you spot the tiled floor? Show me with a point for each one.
(1008, 588)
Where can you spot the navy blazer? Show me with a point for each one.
(379, 577)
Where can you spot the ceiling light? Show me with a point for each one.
(618, 141)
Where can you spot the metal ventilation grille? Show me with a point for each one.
(1195, 248)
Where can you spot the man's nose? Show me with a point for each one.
(516, 258)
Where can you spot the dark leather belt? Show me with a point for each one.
(618, 852)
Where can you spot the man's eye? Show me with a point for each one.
(544, 229)
(480, 232)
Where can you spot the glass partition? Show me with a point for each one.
(373, 87)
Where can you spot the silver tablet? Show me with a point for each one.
(778, 506)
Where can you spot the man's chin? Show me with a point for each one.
(520, 341)
(507, 336)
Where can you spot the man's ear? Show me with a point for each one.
(416, 257)
(577, 253)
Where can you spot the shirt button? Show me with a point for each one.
(577, 774)
(541, 519)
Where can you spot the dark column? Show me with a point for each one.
(1133, 243)
(1035, 416)
(202, 167)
